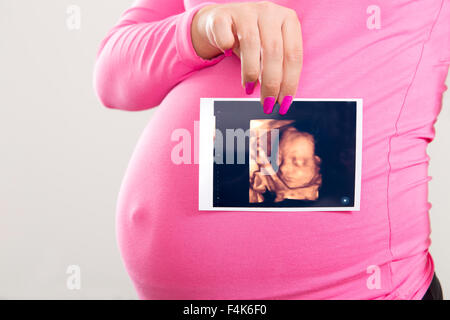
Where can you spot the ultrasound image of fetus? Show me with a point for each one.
(296, 173)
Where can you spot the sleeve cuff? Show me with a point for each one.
(185, 49)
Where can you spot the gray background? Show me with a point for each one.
(63, 156)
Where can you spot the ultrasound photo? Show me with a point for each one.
(306, 160)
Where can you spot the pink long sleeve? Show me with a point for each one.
(146, 54)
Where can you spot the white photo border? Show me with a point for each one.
(206, 158)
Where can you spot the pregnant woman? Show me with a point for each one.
(167, 54)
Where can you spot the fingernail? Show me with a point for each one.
(269, 102)
(285, 104)
(249, 87)
(228, 52)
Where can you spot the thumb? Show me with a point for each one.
(219, 31)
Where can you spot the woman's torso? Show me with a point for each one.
(174, 251)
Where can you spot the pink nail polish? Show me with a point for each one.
(269, 102)
(249, 87)
(228, 52)
(285, 104)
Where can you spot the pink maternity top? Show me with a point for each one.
(394, 55)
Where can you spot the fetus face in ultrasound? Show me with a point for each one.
(298, 165)
(296, 173)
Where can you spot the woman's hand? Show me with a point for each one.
(267, 38)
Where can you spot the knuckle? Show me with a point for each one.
(289, 85)
(271, 86)
(274, 49)
(251, 38)
(294, 55)
(291, 14)
(266, 4)
(251, 74)
(289, 88)
(217, 21)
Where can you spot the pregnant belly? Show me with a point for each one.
(171, 250)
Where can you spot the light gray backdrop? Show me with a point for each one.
(63, 155)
